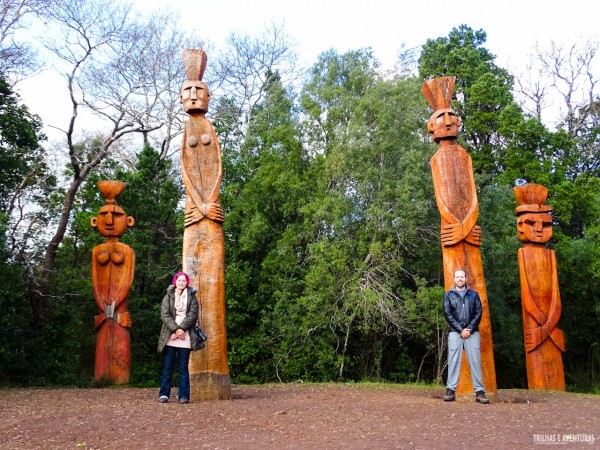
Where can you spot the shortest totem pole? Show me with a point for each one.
(540, 296)
(112, 274)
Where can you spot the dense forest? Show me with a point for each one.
(333, 257)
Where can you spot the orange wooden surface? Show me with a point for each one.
(540, 295)
(203, 242)
(113, 266)
(456, 198)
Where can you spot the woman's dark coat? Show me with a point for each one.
(168, 313)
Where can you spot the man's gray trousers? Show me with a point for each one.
(471, 345)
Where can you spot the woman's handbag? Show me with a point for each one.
(200, 338)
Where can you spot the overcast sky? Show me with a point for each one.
(513, 28)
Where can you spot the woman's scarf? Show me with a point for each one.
(181, 302)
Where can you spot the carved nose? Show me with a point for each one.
(193, 93)
(109, 218)
(447, 119)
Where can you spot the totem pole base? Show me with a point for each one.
(210, 386)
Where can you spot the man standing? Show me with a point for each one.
(462, 310)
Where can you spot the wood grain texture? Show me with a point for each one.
(113, 265)
(456, 198)
(203, 241)
(540, 296)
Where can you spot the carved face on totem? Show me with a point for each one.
(194, 96)
(534, 227)
(443, 124)
(112, 221)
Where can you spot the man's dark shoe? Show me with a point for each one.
(450, 396)
(481, 398)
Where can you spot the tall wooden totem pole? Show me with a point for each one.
(456, 199)
(540, 297)
(203, 242)
(113, 264)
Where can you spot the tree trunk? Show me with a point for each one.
(41, 295)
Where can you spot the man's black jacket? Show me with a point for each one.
(461, 314)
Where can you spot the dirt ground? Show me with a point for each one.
(299, 416)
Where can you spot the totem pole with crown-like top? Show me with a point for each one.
(456, 199)
(113, 264)
(540, 296)
(203, 241)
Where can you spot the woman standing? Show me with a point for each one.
(179, 313)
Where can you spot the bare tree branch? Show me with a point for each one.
(123, 69)
(16, 58)
(247, 66)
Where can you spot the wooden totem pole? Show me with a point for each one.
(203, 242)
(112, 274)
(540, 297)
(456, 199)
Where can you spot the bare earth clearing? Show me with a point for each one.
(331, 416)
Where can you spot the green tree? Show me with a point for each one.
(23, 179)
(20, 152)
(368, 219)
(262, 196)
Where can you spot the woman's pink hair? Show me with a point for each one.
(178, 274)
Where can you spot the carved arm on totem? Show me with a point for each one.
(547, 325)
(455, 230)
(201, 208)
(123, 319)
(109, 292)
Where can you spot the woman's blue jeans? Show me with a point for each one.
(183, 357)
